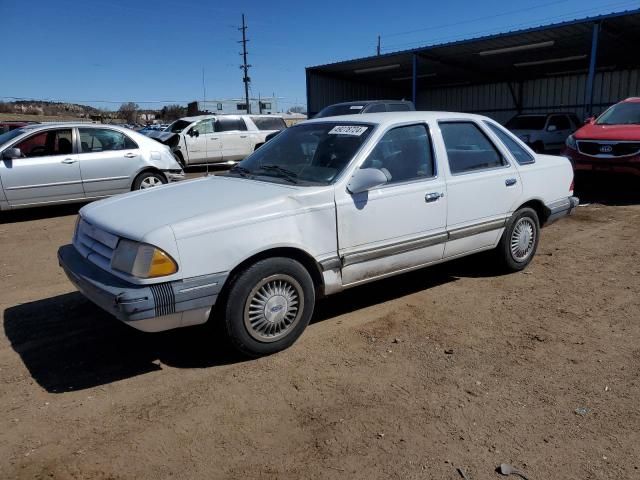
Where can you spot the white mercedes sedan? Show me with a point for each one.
(326, 205)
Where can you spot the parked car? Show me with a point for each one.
(610, 143)
(326, 205)
(544, 132)
(366, 106)
(74, 162)
(221, 138)
(12, 125)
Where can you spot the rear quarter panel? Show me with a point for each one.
(547, 179)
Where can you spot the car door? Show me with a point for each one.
(109, 160)
(236, 141)
(202, 144)
(482, 187)
(558, 129)
(47, 172)
(399, 225)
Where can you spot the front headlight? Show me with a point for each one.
(571, 142)
(142, 260)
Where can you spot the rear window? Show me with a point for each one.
(269, 123)
(527, 122)
(334, 110)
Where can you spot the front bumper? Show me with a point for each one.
(155, 307)
(561, 209)
(585, 163)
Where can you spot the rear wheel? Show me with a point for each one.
(148, 180)
(268, 306)
(519, 241)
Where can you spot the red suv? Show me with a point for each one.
(610, 143)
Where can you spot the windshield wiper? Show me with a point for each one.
(243, 172)
(285, 173)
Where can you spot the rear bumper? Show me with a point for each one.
(174, 175)
(621, 165)
(150, 308)
(561, 209)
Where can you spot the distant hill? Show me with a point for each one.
(40, 107)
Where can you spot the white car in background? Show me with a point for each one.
(544, 132)
(220, 138)
(326, 205)
(49, 163)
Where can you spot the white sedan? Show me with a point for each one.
(327, 205)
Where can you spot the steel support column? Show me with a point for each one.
(414, 80)
(588, 96)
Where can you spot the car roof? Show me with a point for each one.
(631, 100)
(367, 102)
(388, 118)
(36, 126)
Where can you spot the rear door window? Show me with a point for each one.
(468, 148)
(224, 124)
(561, 122)
(103, 140)
(269, 123)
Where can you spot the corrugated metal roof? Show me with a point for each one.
(567, 29)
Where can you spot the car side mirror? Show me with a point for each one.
(194, 133)
(365, 179)
(589, 120)
(552, 128)
(11, 153)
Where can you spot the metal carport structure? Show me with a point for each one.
(581, 66)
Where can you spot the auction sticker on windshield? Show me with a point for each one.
(356, 130)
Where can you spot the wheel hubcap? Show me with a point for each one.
(150, 182)
(523, 239)
(273, 308)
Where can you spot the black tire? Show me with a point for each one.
(527, 220)
(148, 177)
(245, 318)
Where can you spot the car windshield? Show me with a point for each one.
(178, 126)
(527, 122)
(627, 113)
(314, 153)
(335, 110)
(10, 135)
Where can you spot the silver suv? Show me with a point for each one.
(44, 164)
(544, 132)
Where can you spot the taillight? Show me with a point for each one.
(571, 186)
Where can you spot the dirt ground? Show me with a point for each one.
(410, 378)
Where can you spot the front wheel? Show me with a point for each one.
(148, 180)
(519, 241)
(268, 306)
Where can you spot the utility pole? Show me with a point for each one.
(378, 49)
(245, 66)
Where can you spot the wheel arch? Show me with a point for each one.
(303, 257)
(145, 170)
(539, 207)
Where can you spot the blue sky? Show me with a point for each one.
(91, 51)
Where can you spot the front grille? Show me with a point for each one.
(609, 149)
(164, 299)
(95, 244)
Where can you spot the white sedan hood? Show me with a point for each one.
(189, 206)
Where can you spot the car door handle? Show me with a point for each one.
(433, 196)
(130, 155)
(243, 136)
(213, 138)
(69, 161)
(509, 182)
